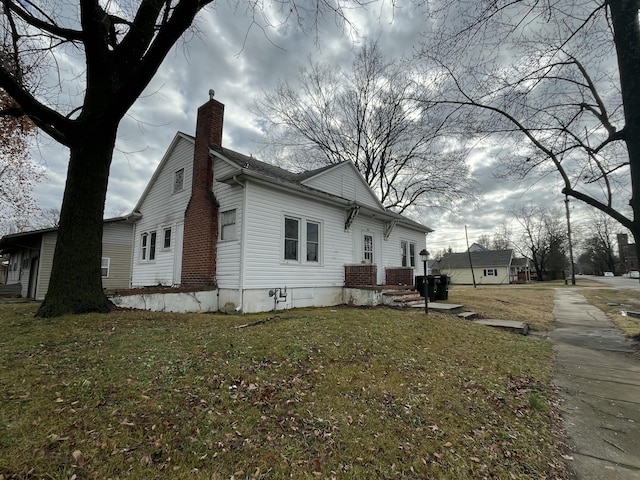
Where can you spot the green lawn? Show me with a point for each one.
(310, 393)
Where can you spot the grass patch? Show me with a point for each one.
(520, 303)
(615, 301)
(311, 393)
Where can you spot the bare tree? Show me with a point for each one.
(121, 46)
(541, 76)
(598, 249)
(370, 116)
(543, 239)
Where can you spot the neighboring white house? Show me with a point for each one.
(31, 257)
(489, 267)
(259, 234)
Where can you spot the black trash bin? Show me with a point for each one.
(432, 285)
(442, 292)
(420, 283)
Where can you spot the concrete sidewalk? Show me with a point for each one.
(598, 374)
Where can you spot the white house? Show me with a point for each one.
(261, 236)
(489, 267)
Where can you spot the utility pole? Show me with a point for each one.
(573, 272)
(473, 275)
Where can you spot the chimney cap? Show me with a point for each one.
(212, 93)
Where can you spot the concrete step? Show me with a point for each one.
(439, 307)
(510, 325)
(468, 315)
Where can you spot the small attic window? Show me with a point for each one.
(178, 181)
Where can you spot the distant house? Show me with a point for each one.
(628, 254)
(261, 236)
(489, 267)
(30, 257)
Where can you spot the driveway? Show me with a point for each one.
(598, 374)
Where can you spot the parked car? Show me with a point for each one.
(608, 274)
(634, 274)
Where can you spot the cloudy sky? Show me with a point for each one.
(240, 60)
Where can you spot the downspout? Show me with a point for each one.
(243, 232)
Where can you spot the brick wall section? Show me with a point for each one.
(201, 217)
(398, 276)
(360, 275)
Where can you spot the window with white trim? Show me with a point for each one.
(313, 242)
(228, 225)
(166, 238)
(148, 246)
(490, 272)
(408, 250)
(178, 180)
(144, 240)
(291, 238)
(302, 240)
(105, 263)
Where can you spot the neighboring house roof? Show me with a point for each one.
(476, 247)
(483, 258)
(520, 262)
(14, 241)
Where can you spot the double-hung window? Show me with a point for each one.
(291, 238)
(166, 238)
(302, 240)
(148, 246)
(228, 225)
(313, 242)
(408, 250)
(105, 263)
(490, 272)
(178, 181)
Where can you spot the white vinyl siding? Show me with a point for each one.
(264, 262)
(344, 182)
(160, 215)
(230, 197)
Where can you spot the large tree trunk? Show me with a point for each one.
(626, 27)
(76, 280)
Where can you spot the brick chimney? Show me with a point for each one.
(623, 243)
(201, 216)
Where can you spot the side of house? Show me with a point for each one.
(490, 267)
(31, 257)
(159, 218)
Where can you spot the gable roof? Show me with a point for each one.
(482, 258)
(165, 158)
(249, 168)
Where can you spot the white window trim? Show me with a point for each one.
(302, 241)
(108, 267)
(235, 226)
(164, 233)
(175, 176)
(147, 249)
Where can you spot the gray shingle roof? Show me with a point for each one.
(245, 161)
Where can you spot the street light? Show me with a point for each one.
(424, 256)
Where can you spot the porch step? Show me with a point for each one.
(511, 325)
(468, 315)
